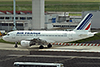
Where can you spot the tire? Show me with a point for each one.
(41, 47)
(16, 46)
(49, 45)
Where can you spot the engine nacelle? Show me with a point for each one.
(25, 43)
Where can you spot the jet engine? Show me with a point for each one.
(25, 43)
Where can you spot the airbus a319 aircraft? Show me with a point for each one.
(29, 38)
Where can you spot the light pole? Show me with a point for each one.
(14, 13)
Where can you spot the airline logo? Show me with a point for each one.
(28, 32)
(86, 23)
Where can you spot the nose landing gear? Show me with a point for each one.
(16, 44)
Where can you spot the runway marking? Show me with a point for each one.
(54, 56)
(70, 48)
(90, 63)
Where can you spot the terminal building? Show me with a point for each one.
(53, 20)
(38, 19)
(22, 17)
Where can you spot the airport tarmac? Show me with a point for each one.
(5, 46)
(57, 54)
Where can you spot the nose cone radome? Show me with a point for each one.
(4, 38)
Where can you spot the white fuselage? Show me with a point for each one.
(80, 32)
(49, 36)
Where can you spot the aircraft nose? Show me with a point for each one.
(3, 38)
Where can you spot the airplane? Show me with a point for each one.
(29, 38)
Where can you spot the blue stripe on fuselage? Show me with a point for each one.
(85, 22)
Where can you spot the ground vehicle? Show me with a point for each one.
(34, 64)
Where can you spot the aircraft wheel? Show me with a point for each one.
(49, 45)
(41, 47)
(16, 44)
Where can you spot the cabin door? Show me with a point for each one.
(13, 36)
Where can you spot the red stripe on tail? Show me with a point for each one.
(88, 26)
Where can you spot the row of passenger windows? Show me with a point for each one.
(40, 35)
(64, 25)
(17, 18)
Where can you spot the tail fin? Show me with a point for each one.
(85, 24)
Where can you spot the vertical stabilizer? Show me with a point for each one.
(85, 24)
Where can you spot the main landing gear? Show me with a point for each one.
(49, 45)
(41, 46)
(16, 44)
